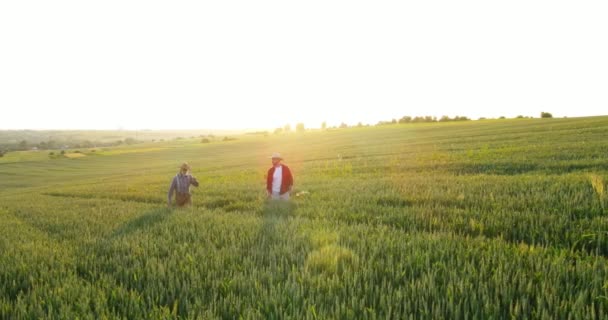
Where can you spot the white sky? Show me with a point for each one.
(262, 64)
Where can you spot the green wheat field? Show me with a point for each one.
(494, 219)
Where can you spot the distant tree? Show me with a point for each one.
(394, 121)
(324, 125)
(359, 125)
(51, 153)
(51, 144)
(278, 130)
(300, 127)
(405, 119)
(546, 115)
(23, 144)
(205, 140)
(287, 128)
(343, 125)
(519, 117)
(87, 144)
(2, 153)
(444, 119)
(62, 152)
(502, 117)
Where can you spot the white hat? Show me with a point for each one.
(276, 155)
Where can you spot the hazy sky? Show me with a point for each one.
(262, 64)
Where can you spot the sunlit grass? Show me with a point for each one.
(473, 220)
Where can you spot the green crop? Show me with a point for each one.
(475, 220)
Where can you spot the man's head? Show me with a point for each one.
(184, 168)
(276, 159)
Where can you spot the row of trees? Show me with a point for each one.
(425, 119)
(406, 119)
(301, 128)
(53, 144)
(287, 128)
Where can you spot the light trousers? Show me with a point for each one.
(277, 196)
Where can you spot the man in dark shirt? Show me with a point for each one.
(181, 186)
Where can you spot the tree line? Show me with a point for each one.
(425, 119)
(403, 120)
(55, 144)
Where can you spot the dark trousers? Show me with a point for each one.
(183, 199)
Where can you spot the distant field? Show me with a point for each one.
(65, 136)
(481, 219)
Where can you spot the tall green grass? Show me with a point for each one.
(497, 219)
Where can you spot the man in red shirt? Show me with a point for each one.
(279, 180)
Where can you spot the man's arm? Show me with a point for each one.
(170, 193)
(289, 179)
(269, 182)
(193, 181)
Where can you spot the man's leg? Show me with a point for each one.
(182, 199)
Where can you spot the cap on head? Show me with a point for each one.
(276, 155)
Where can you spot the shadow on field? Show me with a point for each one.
(278, 209)
(273, 213)
(145, 221)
